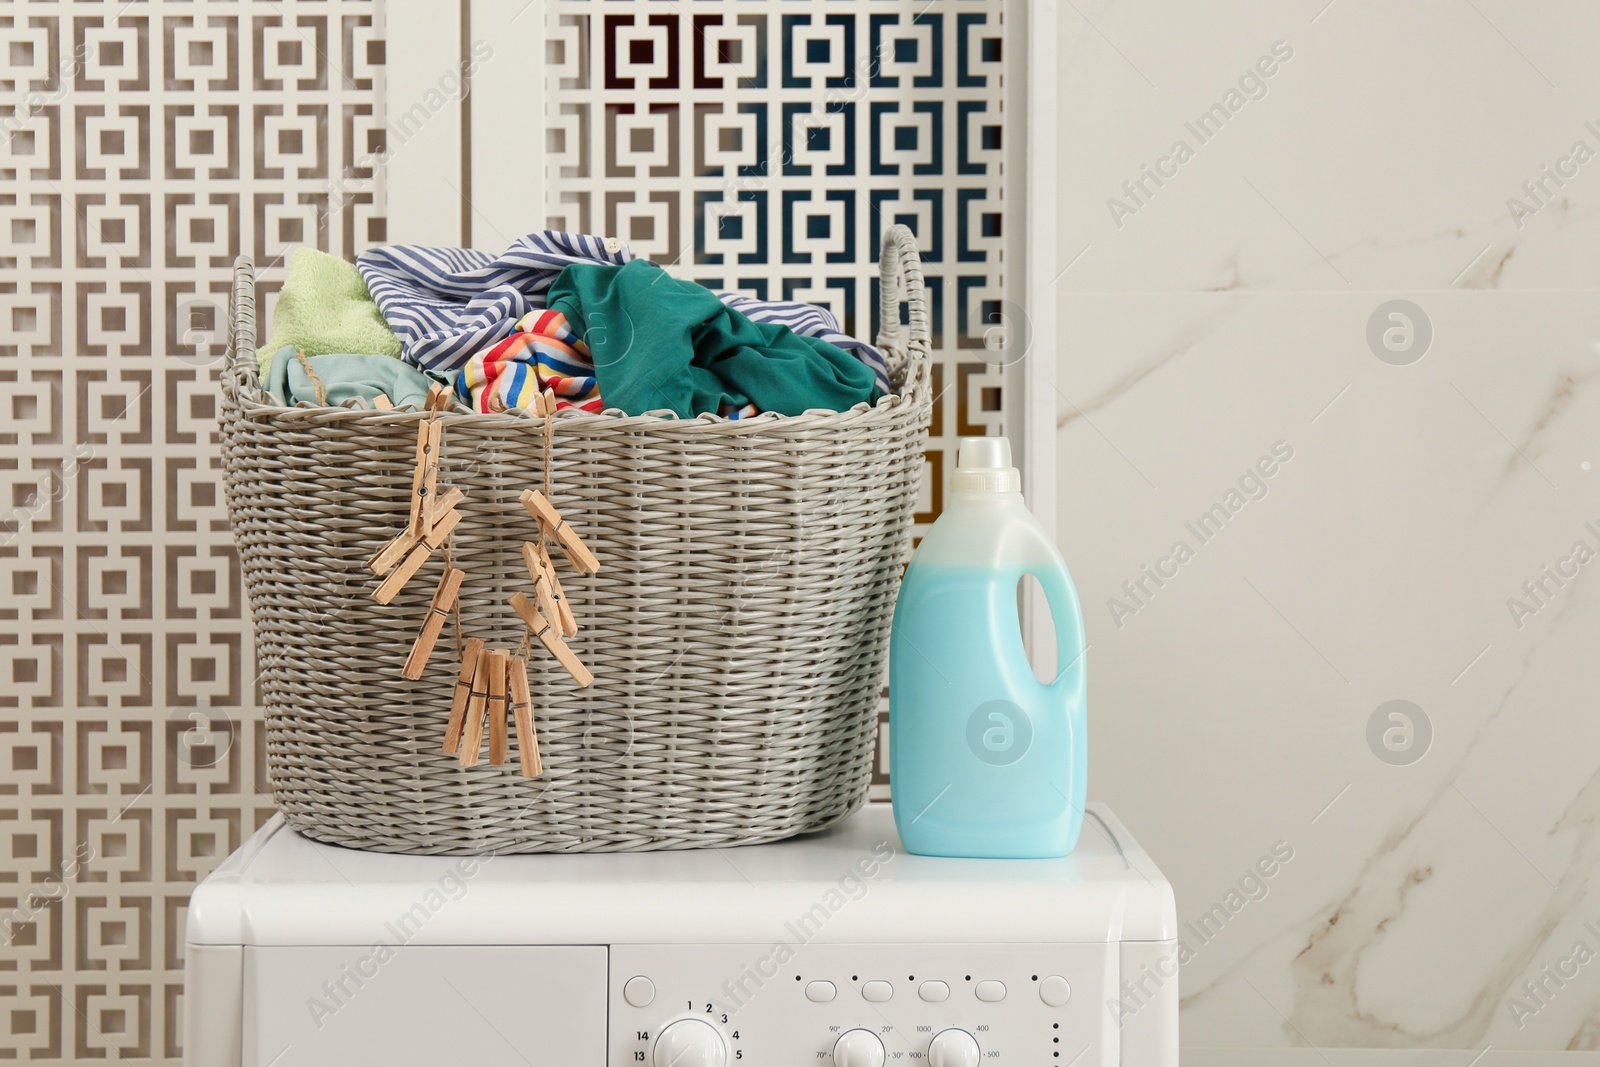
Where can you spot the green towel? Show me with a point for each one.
(663, 344)
(345, 375)
(324, 307)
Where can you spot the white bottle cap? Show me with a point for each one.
(983, 465)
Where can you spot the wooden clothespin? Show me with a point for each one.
(522, 712)
(402, 574)
(381, 402)
(443, 505)
(567, 622)
(419, 555)
(424, 480)
(578, 552)
(542, 591)
(458, 709)
(444, 598)
(551, 639)
(499, 744)
(401, 544)
(431, 517)
(416, 558)
(477, 704)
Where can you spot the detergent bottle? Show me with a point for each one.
(984, 759)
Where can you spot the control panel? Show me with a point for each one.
(827, 1005)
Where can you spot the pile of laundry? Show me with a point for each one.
(569, 313)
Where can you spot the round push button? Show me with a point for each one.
(639, 991)
(1054, 990)
(934, 992)
(820, 992)
(877, 992)
(990, 992)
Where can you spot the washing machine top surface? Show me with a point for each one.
(281, 888)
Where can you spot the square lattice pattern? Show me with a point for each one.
(766, 146)
(760, 145)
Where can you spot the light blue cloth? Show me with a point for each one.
(346, 376)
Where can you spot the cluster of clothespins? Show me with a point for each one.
(492, 682)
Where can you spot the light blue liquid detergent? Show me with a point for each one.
(984, 759)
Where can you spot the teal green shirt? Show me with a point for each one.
(660, 343)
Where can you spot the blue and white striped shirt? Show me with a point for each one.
(447, 303)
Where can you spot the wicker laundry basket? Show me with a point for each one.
(737, 629)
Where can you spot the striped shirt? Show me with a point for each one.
(543, 354)
(448, 304)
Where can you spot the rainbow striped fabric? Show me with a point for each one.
(543, 354)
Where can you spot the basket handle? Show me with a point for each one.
(906, 345)
(242, 370)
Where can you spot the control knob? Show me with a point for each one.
(689, 1043)
(954, 1048)
(858, 1048)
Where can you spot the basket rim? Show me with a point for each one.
(582, 424)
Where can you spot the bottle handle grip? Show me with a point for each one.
(1067, 619)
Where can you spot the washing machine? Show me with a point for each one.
(837, 949)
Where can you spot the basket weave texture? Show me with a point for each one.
(737, 630)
